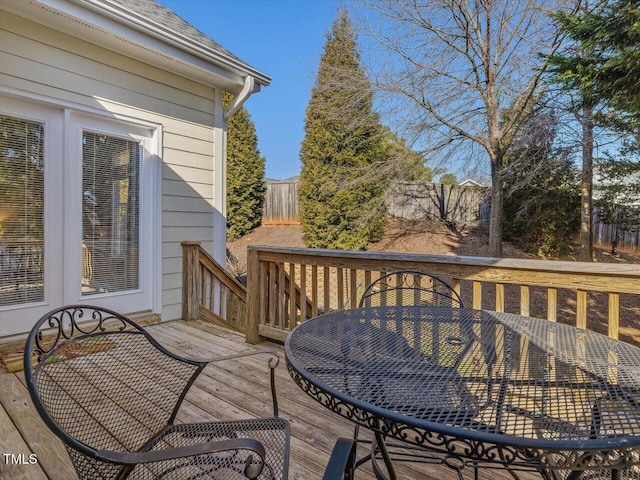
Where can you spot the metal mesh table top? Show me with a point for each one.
(486, 376)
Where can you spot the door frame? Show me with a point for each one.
(63, 185)
(15, 319)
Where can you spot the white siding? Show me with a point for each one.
(42, 62)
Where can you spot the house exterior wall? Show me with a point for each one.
(47, 64)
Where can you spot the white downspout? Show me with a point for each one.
(220, 166)
(220, 174)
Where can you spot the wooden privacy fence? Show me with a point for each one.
(425, 201)
(628, 237)
(602, 297)
(409, 200)
(281, 203)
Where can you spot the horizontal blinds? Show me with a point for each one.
(21, 211)
(110, 214)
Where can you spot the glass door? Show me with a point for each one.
(77, 213)
(110, 242)
(110, 214)
(30, 213)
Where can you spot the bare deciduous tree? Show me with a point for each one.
(463, 74)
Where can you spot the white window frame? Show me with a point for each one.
(18, 318)
(141, 298)
(63, 123)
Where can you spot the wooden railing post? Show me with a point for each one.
(190, 280)
(254, 290)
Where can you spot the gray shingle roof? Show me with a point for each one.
(153, 12)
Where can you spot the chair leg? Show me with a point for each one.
(341, 462)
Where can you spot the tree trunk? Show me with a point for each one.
(585, 254)
(495, 219)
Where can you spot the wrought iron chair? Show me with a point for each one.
(410, 287)
(111, 392)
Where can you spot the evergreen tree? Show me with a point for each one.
(611, 73)
(603, 67)
(340, 192)
(402, 162)
(542, 198)
(448, 179)
(245, 175)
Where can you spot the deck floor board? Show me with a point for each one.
(226, 390)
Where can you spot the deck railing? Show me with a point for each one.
(601, 297)
(209, 292)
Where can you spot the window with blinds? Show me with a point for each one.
(21, 211)
(110, 214)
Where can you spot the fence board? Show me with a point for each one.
(423, 201)
(412, 201)
(281, 203)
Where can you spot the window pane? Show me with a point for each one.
(110, 214)
(21, 211)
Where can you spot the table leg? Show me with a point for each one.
(379, 443)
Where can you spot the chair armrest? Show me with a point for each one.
(246, 353)
(133, 458)
(342, 458)
(274, 361)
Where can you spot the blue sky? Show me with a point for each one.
(282, 38)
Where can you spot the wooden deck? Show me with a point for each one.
(239, 389)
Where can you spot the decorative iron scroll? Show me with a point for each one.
(61, 325)
(466, 449)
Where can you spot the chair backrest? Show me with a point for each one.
(410, 287)
(100, 381)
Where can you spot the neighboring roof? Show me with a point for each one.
(470, 183)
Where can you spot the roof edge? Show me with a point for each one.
(144, 25)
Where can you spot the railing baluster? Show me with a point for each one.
(211, 282)
(581, 309)
(263, 291)
(367, 282)
(477, 295)
(282, 300)
(303, 294)
(499, 297)
(326, 286)
(614, 315)
(552, 304)
(274, 293)
(398, 282)
(353, 293)
(524, 300)
(293, 311)
(314, 290)
(384, 287)
(455, 284)
(340, 274)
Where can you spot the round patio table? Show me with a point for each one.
(477, 387)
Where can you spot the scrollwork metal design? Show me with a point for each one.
(467, 449)
(64, 324)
